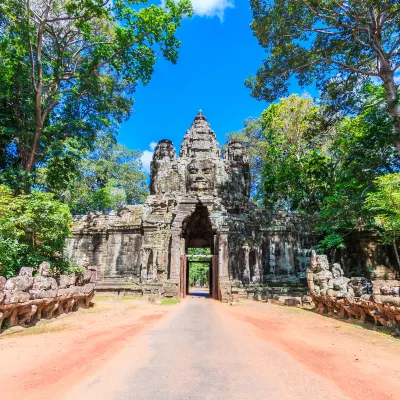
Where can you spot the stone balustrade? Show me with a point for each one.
(25, 299)
(357, 297)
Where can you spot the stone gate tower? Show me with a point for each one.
(199, 199)
(190, 202)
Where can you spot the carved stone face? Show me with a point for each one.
(236, 151)
(164, 150)
(322, 263)
(200, 176)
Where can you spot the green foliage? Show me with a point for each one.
(33, 228)
(384, 204)
(127, 298)
(68, 70)
(314, 40)
(169, 302)
(199, 267)
(311, 165)
(289, 161)
(105, 179)
(74, 269)
(199, 273)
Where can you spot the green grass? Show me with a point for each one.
(103, 298)
(95, 309)
(168, 302)
(37, 330)
(129, 298)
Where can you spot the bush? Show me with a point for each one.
(33, 228)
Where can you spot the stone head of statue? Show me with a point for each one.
(200, 176)
(164, 150)
(83, 261)
(322, 263)
(44, 269)
(337, 271)
(236, 151)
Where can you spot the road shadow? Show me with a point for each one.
(199, 292)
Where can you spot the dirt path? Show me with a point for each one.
(360, 362)
(199, 349)
(43, 362)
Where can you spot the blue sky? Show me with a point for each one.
(217, 54)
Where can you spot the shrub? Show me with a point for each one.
(33, 228)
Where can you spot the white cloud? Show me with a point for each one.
(147, 156)
(210, 8)
(152, 145)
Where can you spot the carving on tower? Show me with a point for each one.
(200, 141)
(199, 170)
(198, 199)
(164, 177)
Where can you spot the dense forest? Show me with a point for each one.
(68, 74)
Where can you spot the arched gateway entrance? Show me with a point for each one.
(198, 200)
(198, 233)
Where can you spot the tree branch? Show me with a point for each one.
(31, 50)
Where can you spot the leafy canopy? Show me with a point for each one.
(68, 69)
(106, 178)
(33, 228)
(384, 203)
(308, 164)
(313, 39)
(339, 45)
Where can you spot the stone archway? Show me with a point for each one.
(197, 233)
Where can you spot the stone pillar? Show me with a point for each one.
(223, 256)
(256, 277)
(246, 272)
(145, 261)
(183, 246)
(223, 267)
(175, 256)
(154, 266)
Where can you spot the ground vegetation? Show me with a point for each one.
(33, 229)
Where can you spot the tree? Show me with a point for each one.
(384, 203)
(33, 228)
(285, 148)
(361, 151)
(199, 269)
(68, 68)
(104, 179)
(333, 43)
(310, 166)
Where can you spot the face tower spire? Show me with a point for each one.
(200, 141)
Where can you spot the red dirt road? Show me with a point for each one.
(199, 349)
(362, 363)
(46, 364)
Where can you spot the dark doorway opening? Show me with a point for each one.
(199, 255)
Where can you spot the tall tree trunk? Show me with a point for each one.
(396, 253)
(32, 153)
(392, 100)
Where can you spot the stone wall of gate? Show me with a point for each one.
(201, 198)
(112, 242)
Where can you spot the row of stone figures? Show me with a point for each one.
(25, 299)
(360, 298)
